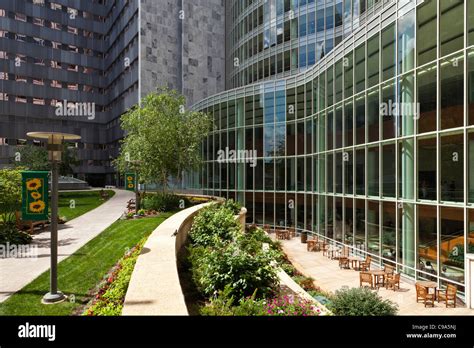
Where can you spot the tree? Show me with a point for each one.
(34, 157)
(163, 137)
(31, 157)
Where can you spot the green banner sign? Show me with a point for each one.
(130, 182)
(34, 196)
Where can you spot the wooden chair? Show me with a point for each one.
(365, 265)
(389, 270)
(292, 232)
(423, 295)
(393, 281)
(448, 295)
(366, 278)
(344, 262)
(345, 252)
(325, 249)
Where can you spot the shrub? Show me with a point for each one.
(233, 206)
(9, 233)
(361, 302)
(163, 201)
(10, 193)
(213, 224)
(245, 269)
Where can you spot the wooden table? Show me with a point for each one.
(355, 261)
(377, 275)
(282, 235)
(428, 285)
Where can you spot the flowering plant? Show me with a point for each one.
(289, 305)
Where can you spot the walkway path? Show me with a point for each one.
(15, 273)
(330, 278)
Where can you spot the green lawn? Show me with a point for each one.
(84, 202)
(83, 270)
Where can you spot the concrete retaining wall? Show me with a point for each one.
(155, 288)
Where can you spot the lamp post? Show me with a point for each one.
(55, 143)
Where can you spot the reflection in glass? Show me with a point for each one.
(280, 174)
(360, 68)
(452, 92)
(388, 175)
(388, 118)
(451, 26)
(348, 75)
(330, 217)
(360, 172)
(348, 158)
(406, 169)
(338, 220)
(470, 79)
(270, 208)
(408, 111)
(338, 126)
(300, 174)
(349, 221)
(339, 172)
(389, 55)
(373, 60)
(373, 112)
(406, 42)
(373, 176)
(427, 242)
(389, 233)
(360, 224)
(406, 239)
(426, 79)
(373, 221)
(471, 167)
(330, 173)
(291, 174)
(452, 168)
(452, 244)
(427, 169)
(426, 34)
(360, 119)
(349, 123)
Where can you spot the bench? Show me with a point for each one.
(29, 225)
(131, 204)
(104, 194)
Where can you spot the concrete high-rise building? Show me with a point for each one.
(94, 58)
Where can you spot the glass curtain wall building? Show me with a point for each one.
(372, 147)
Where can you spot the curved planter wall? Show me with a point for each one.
(155, 288)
